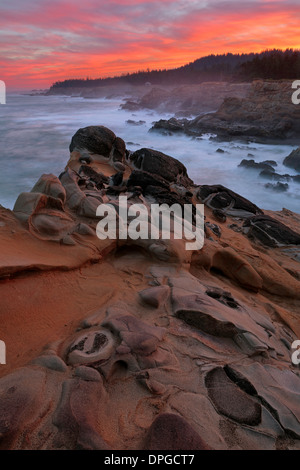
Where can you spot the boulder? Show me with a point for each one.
(256, 166)
(270, 231)
(293, 160)
(98, 141)
(221, 198)
(278, 187)
(158, 163)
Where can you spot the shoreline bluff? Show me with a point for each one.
(141, 344)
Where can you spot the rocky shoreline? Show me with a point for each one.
(142, 344)
(266, 114)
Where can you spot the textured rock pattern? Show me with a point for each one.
(157, 348)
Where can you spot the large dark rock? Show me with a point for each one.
(164, 196)
(219, 197)
(272, 175)
(99, 140)
(256, 166)
(293, 160)
(172, 125)
(278, 187)
(270, 231)
(161, 164)
(144, 179)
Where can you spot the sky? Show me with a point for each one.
(44, 41)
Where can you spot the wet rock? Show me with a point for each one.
(144, 179)
(274, 176)
(116, 179)
(170, 125)
(158, 163)
(278, 187)
(96, 177)
(214, 228)
(293, 160)
(256, 166)
(296, 178)
(172, 432)
(164, 196)
(131, 106)
(135, 123)
(221, 198)
(270, 231)
(101, 141)
(219, 215)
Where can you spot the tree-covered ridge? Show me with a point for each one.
(269, 64)
(275, 64)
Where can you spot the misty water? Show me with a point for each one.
(36, 132)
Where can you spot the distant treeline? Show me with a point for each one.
(270, 64)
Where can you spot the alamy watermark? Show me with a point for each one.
(2, 92)
(137, 221)
(296, 354)
(2, 352)
(296, 94)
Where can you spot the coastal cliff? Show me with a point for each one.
(266, 113)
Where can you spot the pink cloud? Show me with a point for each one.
(45, 41)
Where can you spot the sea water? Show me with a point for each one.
(35, 133)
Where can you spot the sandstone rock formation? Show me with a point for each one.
(138, 343)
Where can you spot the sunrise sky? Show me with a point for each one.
(43, 41)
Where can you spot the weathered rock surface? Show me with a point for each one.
(270, 231)
(221, 198)
(266, 113)
(98, 143)
(129, 344)
(187, 100)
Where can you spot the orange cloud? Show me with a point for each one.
(42, 42)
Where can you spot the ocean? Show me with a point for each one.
(36, 132)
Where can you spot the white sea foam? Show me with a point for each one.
(36, 132)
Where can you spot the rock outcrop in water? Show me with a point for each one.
(293, 160)
(265, 113)
(141, 344)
